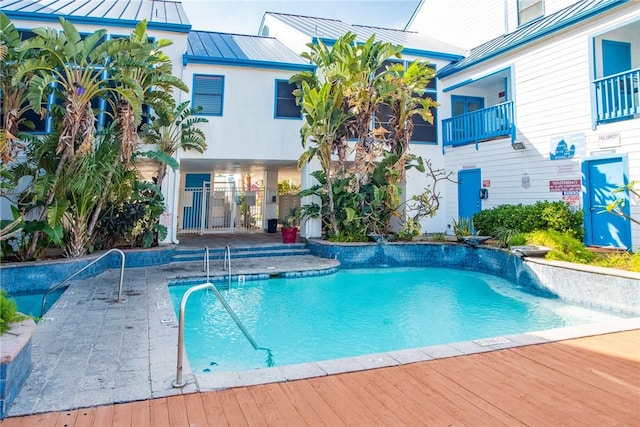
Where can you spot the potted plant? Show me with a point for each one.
(289, 226)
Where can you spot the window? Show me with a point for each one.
(208, 94)
(528, 10)
(285, 101)
(423, 131)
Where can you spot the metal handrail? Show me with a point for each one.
(179, 381)
(227, 256)
(59, 285)
(206, 266)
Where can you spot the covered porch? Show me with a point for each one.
(481, 109)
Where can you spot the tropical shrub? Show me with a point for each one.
(356, 85)
(564, 247)
(543, 215)
(8, 312)
(136, 222)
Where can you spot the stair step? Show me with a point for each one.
(185, 256)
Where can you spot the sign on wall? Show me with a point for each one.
(568, 147)
(558, 185)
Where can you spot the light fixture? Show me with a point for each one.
(518, 145)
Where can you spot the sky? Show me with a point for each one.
(245, 16)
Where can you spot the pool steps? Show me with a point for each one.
(196, 254)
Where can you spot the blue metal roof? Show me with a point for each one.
(547, 25)
(244, 50)
(163, 15)
(329, 30)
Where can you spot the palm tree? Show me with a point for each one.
(74, 71)
(138, 62)
(14, 96)
(171, 131)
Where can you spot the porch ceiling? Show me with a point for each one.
(233, 166)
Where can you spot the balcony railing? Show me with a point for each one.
(617, 96)
(492, 122)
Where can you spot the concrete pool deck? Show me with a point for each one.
(90, 350)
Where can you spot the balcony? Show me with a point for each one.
(617, 96)
(488, 123)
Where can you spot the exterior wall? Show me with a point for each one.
(475, 22)
(247, 128)
(552, 94)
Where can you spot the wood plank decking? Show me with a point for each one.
(592, 381)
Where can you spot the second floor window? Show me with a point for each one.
(285, 101)
(528, 10)
(208, 93)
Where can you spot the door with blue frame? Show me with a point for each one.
(469, 186)
(192, 208)
(601, 177)
(616, 58)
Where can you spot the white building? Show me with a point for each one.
(538, 101)
(548, 110)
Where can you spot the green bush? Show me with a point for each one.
(620, 260)
(8, 313)
(543, 215)
(564, 247)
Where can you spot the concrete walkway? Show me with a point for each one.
(91, 350)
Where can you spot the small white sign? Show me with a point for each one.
(609, 140)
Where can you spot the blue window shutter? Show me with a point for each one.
(208, 94)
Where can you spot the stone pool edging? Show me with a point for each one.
(15, 362)
(21, 277)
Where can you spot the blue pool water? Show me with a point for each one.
(31, 303)
(362, 311)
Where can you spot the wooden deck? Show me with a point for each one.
(591, 381)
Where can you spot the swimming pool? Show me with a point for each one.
(361, 311)
(31, 303)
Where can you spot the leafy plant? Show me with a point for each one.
(410, 229)
(564, 247)
(136, 221)
(504, 235)
(8, 312)
(463, 227)
(543, 215)
(292, 219)
(170, 131)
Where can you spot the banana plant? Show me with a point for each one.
(14, 94)
(171, 131)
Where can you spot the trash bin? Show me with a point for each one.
(272, 225)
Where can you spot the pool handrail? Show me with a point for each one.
(206, 261)
(227, 256)
(179, 381)
(59, 285)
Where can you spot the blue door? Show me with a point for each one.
(192, 205)
(616, 58)
(469, 185)
(601, 178)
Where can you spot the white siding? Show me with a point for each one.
(247, 129)
(552, 85)
(464, 23)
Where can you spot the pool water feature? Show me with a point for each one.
(361, 311)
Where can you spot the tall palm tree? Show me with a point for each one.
(141, 63)
(171, 131)
(14, 96)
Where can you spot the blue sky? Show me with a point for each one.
(244, 16)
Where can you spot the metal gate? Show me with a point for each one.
(222, 208)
